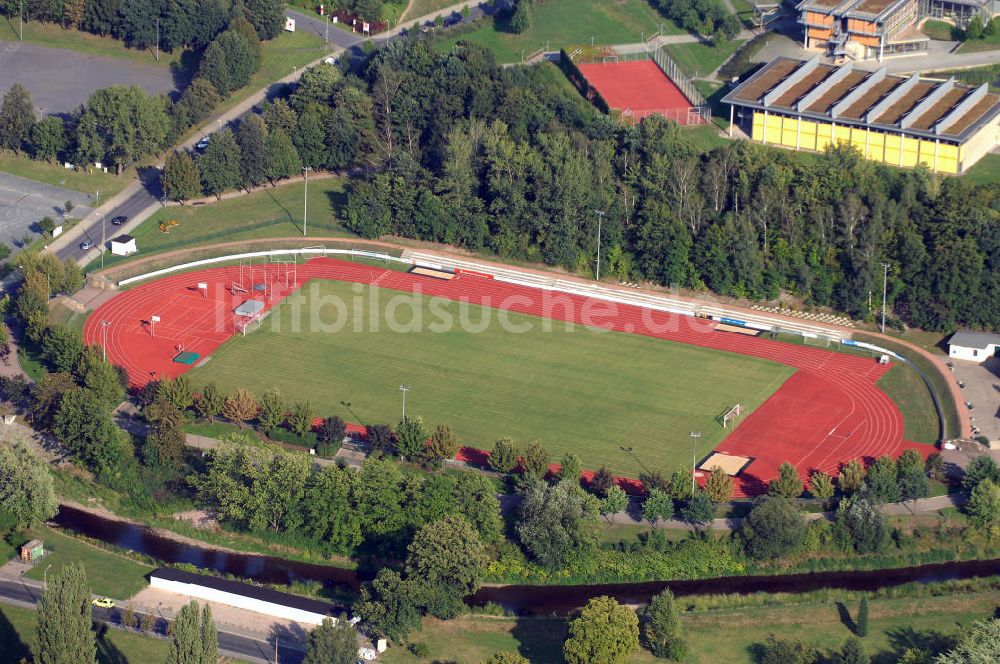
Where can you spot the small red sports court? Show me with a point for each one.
(640, 88)
(828, 412)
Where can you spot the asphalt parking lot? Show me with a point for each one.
(24, 202)
(61, 80)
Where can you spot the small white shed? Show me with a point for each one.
(973, 346)
(123, 245)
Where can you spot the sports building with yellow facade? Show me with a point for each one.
(896, 120)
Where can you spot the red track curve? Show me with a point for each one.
(829, 412)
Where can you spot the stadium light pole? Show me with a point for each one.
(600, 219)
(305, 203)
(404, 389)
(105, 324)
(695, 435)
(885, 280)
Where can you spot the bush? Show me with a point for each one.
(419, 649)
(280, 435)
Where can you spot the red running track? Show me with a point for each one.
(829, 412)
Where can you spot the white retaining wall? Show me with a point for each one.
(239, 601)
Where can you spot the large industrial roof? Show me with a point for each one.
(815, 90)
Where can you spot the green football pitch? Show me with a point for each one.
(620, 400)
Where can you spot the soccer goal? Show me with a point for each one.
(250, 324)
(731, 415)
(820, 340)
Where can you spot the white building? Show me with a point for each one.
(242, 595)
(973, 346)
(123, 245)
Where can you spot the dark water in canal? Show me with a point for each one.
(521, 599)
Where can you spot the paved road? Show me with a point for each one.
(60, 80)
(317, 25)
(26, 593)
(24, 202)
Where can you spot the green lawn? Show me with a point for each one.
(576, 390)
(985, 43)
(420, 8)
(57, 176)
(907, 389)
(700, 59)
(721, 635)
(270, 212)
(17, 632)
(561, 23)
(108, 573)
(941, 30)
(54, 36)
(986, 170)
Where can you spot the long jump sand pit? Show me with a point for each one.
(730, 464)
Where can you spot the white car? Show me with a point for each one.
(86, 245)
(203, 143)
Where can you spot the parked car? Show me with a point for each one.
(120, 220)
(454, 19)
(203, 143)
(86, 245)
(104, 603)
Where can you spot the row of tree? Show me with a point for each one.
(457, 149)
(173, 25)
(701, 16)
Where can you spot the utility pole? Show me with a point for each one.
(695, 435)
(157, 38)
(305, 203)
(104, 231)
(20, 20)
(327, 36)
(404, 389)
(105, 324)
(885, 280)
(600, 219)
(45, 578)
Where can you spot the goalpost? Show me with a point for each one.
(820, 340)
(250, 324)
(731, 415)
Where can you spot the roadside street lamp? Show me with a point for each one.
(695, 435)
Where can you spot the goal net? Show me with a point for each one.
(250, 324)
(731, 415)
(816, 340)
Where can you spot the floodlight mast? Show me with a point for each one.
(404, 389)
(695, 435)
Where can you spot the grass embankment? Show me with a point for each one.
(702, 59)
(984, 43)
(108, 573)
(54, 174)
(54, 36)
(268, 212)
(576, 390)
(908, 390)
(559, 23)
(418, 8)
(986, 170)
(938, 382)
(898, 621)
(941, 31)
(17, 633)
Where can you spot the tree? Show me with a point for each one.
(615, 501)
(853, 652)
(411, 437)
(699, 510)
(62, 347)
(569, 468)
(773, 528)
(48, 139)
(214, 68)
(26, 489)
(787, 484)
(272, 410)
(658, 505)
(240, 406)
(165, 442)
(181, 180)
(220, 163)
(448, 559)
(443, 443)
(279, 115)
(861, 622)
(520, 20)
(267, 17)
(911, 476)
(977, 644)
(119, 125)
(535, 460)
(177, 391)
(388, 605)
(980, 468)
(882, 480)
(316, 87)
(17, 117)
(198, 100)
(241, 26)
(300, 418)
(851, 476)
(780, 651)
(193, 639)
(553, 522)
(864, 523)
(506, 658)
(282, 159)
(974, 30)
(605, 632)
(601, 482)
(332, 643)
(379, 436)
(308, 137)
(984, 506)
(210, 403)
(660, 627)
(719, 485)
(252, 138)
(476, 499)
(73, 13)
(65, 632)
(332, 430)
(503, 458)
(821, 487)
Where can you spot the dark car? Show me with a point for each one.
(120, 220)
(454, 19)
